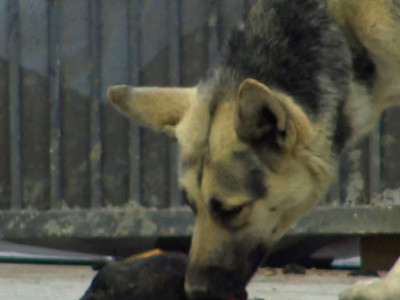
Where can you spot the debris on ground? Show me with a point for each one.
(364, 272)
(294, 269)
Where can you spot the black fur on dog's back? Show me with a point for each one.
(296, 47)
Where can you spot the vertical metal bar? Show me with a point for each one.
(213, 31)
(95, 113)
(55, 105)
(333, 198)
(374, 164)
(15, 104)
(247, 6)
(134, 58)
(175, 23)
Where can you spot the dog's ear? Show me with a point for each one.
(154, 107)
(265, 117)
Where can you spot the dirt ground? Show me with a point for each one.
(50, 282)
(272, 284)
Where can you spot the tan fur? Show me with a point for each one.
(375, 289)
(290, 117)
(376, 25)
(157, 108)
(298, 175)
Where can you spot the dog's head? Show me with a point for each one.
(251, 164)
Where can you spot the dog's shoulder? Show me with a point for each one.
(295, 47)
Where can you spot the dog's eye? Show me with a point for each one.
(225, 213)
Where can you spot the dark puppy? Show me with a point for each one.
(158, 277)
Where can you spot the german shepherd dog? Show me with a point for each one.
(260, 136)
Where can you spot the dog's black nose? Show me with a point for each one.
(198, 295)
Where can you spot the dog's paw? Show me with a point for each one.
(363, 290)
(385, 289)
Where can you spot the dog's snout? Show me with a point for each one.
(196, 287)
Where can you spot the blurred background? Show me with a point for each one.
(77, 175)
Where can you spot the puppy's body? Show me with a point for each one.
(156, 277)
(260, 136)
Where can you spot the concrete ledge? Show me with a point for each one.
(138, 221)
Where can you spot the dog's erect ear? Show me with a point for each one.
(154, 107)
(263, 117)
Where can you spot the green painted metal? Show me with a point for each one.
(71, 166)
(138, 221)
(97, 223)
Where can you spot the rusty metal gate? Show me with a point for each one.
(71, 166)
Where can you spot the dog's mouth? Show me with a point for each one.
(221, 288)
(238, 296)
(216, 283)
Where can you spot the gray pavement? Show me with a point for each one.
(46, 282)
(316, 285)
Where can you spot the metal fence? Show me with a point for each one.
(71, 166)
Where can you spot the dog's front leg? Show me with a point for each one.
(387, 288)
